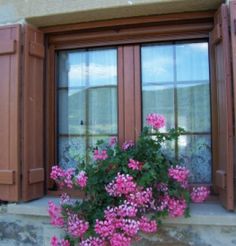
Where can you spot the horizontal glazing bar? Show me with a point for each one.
(178, 82)
(86, 135)
(86, 87)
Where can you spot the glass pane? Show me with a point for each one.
(194, 107)
(184, 101)
(87, 97)
(71, 111)
(71, 150)
(159, 99)
(195, 153)
(168, 149)
(72, 69)
(102, 68)
(157, 63)
(93, 140)
(192, 62)
(102, 110)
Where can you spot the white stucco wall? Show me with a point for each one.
(53, 12)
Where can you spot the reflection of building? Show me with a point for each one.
(30, 123)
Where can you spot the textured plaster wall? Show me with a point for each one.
(23, 230)
(53, 12)
(19, 230)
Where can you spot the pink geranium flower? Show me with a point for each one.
(199, 194)
(135, 165)
(93, 241)
(54, 211)
(100, 155)
(176, 207)
(57, 242)
(122, 185)
(127, 145)
(147, 225)
(62, 177)
(156, 121)
(112, 141)
(179, 174)
(76, 227)
(120, 239)
(81, 179)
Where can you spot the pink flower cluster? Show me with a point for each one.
(65, 200)
(122, 185)
(81, 179)
(157, 121)
(162, 187)
(120, 224)
(57, 242)
(130, 227)
(62, 177)
(54, 211)
(199, 194)
(127, 209)
(100, 155)
(119, 239)
(123, 228)
(141, 198)
(163, 202)
(92, 241)
(124, 210)
(112, 141)
(135, 165)
(176, 207)
(105, 228)
(179, 174)
(76, 227)
(147, 225)
(127, 145)
(57, 173)
(124, 218)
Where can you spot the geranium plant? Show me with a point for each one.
(128, 189)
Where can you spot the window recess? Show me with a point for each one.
(127, 36)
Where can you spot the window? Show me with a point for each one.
(175, 83)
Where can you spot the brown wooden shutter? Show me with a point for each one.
(33, 97)
(222, 79)
(9, 109)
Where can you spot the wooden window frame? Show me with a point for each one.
(127, 34)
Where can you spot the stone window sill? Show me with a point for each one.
(210, 213)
